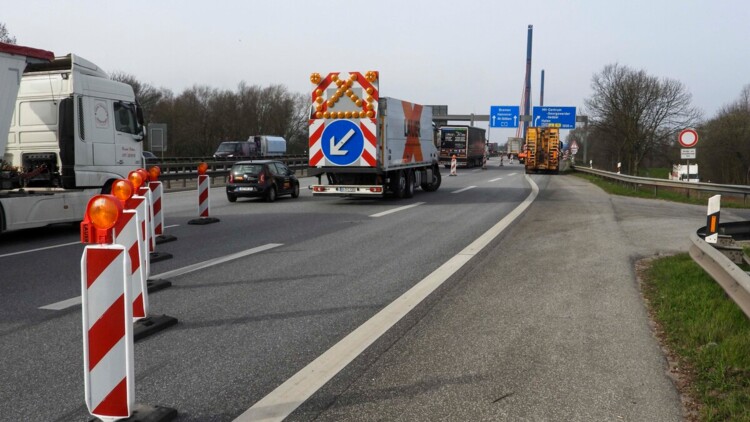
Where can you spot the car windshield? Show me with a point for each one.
(247, 169)
(229, 147)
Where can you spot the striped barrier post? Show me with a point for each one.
(109, 380)
(453, 166)
(712, 219)
(128, 234)
(156, 193)
(139, 179)
(138, 204)
(204, 199)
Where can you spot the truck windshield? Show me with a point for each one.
(453, 139)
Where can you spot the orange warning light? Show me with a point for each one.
(104, 210)
(202, 167)
(123, 189)
(319, 115)
(371, 114)
(153, 173)
(145, 176)
(315, 78)
(136, 178)
(371, 76)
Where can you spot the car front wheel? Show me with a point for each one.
(231, 198)
(295, 190)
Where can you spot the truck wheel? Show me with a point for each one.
(271, 195)
(398, 183)
(409, 188)
(434, 184)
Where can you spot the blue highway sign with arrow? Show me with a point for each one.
(504, 116)
(562, 117)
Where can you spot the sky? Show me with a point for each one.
(468, 54)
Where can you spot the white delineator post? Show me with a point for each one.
(453, 166)
(712, 219)
(145, 192)
(140, 205)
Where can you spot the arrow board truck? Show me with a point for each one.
(465, 142)
(73, 132)
(367, 145)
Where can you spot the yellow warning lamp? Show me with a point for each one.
(202, 167)
(371, 76)
(136, 178)
(123, 189)
(327, 114)
(153, 173)
(319, 115)
(371, 114)
(102, 213)
(315, 78)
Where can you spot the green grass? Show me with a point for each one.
(627, 189)
(707, 332)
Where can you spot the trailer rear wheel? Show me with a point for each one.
(433, 185)
(409, 188)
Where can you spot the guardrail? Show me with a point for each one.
(183, 175)
(734, 280)
(736, 191)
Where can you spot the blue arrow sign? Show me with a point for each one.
(504, 116)
(342, 142)
(562, 117)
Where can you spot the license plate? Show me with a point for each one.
(246, 189)
(347, 189)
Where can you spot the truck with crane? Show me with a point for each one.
(71, 132)
(542, 150)
(367, 145)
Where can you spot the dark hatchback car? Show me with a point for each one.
(261, 178)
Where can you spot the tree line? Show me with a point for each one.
(635, 118)
(201, 117)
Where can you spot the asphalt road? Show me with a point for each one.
(546, 323)
(250, 323)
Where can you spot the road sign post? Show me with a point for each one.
(688, 138)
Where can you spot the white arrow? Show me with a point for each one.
(336, 147)
(514, 120)
(536, 121)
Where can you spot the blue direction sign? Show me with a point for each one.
(504, 116)
(562, 117)
(342, 142)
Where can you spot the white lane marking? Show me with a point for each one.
(67, 303)
(173, 225)
(495, 180)
(406, 207)
(215, 261)
(464, 189)
(512, 174)
(282, 401)
(40, 249)
(63, 304)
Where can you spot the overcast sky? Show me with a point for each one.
(467, 54)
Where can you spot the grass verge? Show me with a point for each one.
(707, 335)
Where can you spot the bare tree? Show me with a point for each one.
(724, 149)
(638, 114)
(5, 35)
(147, 95)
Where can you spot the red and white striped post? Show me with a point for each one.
(109, 380)
(128, 233)
(156, 193)
(204, 199)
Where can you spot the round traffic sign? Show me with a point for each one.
(343, 142)
(688, 138)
